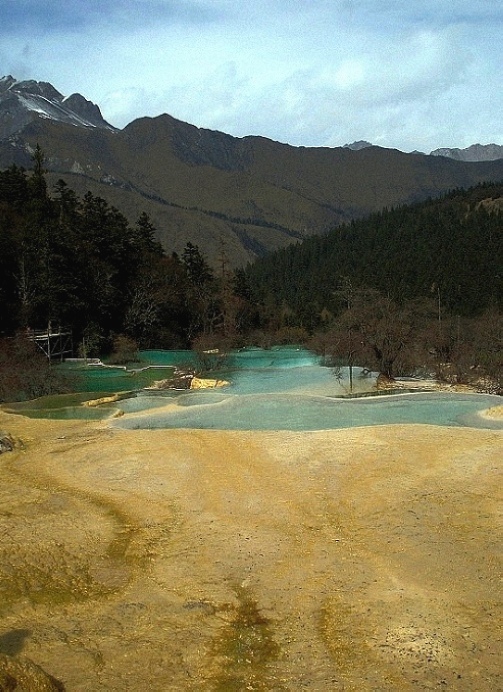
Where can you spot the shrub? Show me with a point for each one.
(25, 373)
(125, 350)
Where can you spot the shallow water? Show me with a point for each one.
(99, 378)
(312, 412)
(287, 389)
(306, 379)
(277, 389)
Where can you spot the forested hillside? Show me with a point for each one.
(414, 289)
(449, 249)
(204, 186)
(408, 289)
(79, 263)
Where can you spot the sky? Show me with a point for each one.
(407, 74)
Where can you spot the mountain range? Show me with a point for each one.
(238, 196)
(475, 152)
(21, 101)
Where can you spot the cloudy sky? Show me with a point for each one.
(410, 74)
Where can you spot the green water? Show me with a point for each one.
(88, 382)
(168, 358)
(65, 413)
(64, 406)
(275, 389)
(98, 379)
(302, 411)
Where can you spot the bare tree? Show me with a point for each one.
(376, 332)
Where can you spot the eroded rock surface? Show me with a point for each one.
(362, 559)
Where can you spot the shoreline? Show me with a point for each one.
(493, 413)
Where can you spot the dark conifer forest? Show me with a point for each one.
(416, 288)
(79, 263)
(449, 248)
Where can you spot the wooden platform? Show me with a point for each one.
(54, 344)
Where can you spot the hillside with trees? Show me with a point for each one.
(449, 249)
(408, 288)
(416, 285)
(203, 186)
(77, 262)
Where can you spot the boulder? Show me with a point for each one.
(205, 383)
(6, 443)
(22, 675)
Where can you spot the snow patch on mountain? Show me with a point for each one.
(21, 101)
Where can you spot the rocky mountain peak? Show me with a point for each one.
(86, 109)
(32, 87)
(21, 102)
(475, 152)
(6, 82)
(360, 144)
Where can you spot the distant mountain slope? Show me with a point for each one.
(476, 152)
(360, 144)
(245, 196)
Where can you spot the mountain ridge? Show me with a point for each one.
(249, 195)
(475, 152)
(21, 101)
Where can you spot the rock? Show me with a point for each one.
(6, 443)
(22, 675)
(105, 400)
(180, 380)
(200, 383)
(384, 382)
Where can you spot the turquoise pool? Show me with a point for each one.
(276, 389)
(293, 411)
